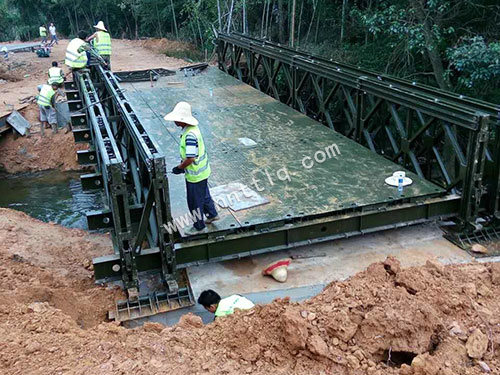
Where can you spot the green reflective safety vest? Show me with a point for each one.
(43, 31)
(45, 96)
(75, 59)
(55, 75)
(198, 170)
(228, 305)
(102, 43)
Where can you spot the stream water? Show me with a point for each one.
(50, 196)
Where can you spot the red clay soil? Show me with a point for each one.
(36, 153)
(427, 320)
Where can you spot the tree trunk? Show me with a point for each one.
(292, 32)
(218, 15)
(230, 16)
(175, 20)
(267, 18)
(263, 18)
(315, 4)
(317, 27)
(244, 17)
(281, 22)
(342, 23)
(431, 46)
(299, 27)
(158, 20)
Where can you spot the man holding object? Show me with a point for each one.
(194, 164)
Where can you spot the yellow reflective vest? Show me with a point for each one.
(43, 31)
(102, 43)
(45, 96)
(198, 170)
(75, 59)
(55, 75)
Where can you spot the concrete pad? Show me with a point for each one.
(326, 262)
(320, 264)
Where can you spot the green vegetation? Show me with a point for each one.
(452, 44)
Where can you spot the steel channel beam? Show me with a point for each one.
(148, 146)
(453, 113)
(144, 151)
(434, 93)
(308, 231)
(112, 168)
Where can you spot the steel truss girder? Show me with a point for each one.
(423, 128)
(145, 175)
(109, 164)
(285, 235)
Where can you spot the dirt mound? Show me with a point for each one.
(8, 75)
(36, 153)
(420, 321)
(45, 267)
(163, 45)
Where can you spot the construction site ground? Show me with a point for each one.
(24, 71)
(403, 301)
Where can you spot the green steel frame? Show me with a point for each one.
(446, 138)
(451, 141)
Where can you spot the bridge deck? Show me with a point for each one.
(228, 110)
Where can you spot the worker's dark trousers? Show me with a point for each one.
(200, 202)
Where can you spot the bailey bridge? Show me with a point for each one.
(300, 148)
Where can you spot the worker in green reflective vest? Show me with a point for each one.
(101, 41)
(196, 168)
(76, 52)
(56, 74)
(43, 33)
(46, 101)
(212, 302)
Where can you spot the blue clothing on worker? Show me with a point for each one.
(191, 146)
(200, 202)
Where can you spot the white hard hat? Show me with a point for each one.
(182, 113)
(100, 26)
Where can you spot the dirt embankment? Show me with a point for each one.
(19, 78)
(429, 320)
(43, 262)
(36, 153)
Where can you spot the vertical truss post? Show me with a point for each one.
(494, 204)
(358, 114)
(163, 215)
(473, 182)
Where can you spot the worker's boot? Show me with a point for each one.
(210, 220)
(191, 231)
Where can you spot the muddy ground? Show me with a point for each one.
(23, 72)
(386, 320)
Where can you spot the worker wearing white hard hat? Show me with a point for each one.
(195, 166)
(101, 42)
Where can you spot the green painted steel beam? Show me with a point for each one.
(91, 181)
(308, 231)
(103, 219)
(79, 120)
(86, 157)
(445, 110)
(433, 92)
(82, 135)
